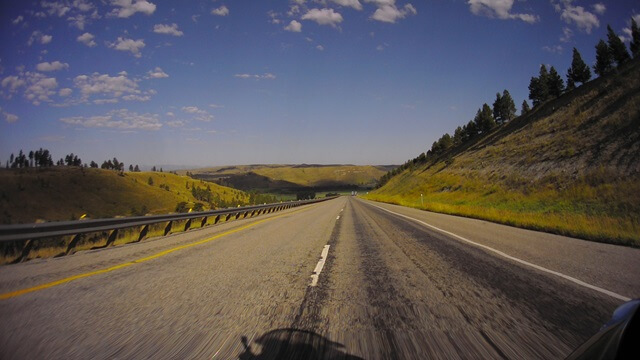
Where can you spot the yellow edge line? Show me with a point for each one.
(141, 260)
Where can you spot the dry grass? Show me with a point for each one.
(571, 167)
(67, 193)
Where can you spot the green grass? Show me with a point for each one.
(607, 212)
(55, 194)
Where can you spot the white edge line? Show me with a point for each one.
(538, 267)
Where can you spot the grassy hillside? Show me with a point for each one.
(571, 166)
(64, 193)
(274, 177)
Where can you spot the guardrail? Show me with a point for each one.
(18, 241)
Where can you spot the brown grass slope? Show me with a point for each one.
(290, 176)
(571, 166)
(66, 193)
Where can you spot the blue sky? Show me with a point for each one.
(200, 83)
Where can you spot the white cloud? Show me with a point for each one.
(133, 46)
(199, 114)
(349, 3)
(567, 34)
(599, 8)
(320, 47)
(176, 123)
(577, 15)
(64, 92)
(38, 36)
(500, 9)
(73, 9)
(53, 66)
(390, 13)
(17, 20)
(103, 84)
(126, 8)
(265, 76)
(167, 29)
(13, 83)
(294, 26)
(122, 119)
(193, 110)
(323, 17)
(215, 106)
(80, 20)
(157, 73)
(10, 118)
(556, 49)
(39, 88)
(221, 11)
(87, 39)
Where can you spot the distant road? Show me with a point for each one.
(393, 282)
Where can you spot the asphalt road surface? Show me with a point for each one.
(389, 285)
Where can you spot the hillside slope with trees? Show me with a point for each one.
(569, 165)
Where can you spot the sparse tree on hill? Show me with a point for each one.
(131, 168)
(93, 164)
(458, 136)
(136, 169)
(525, 107)
(617, 48)
(484, 119)
(635, 39)
(153, 168)
(538, 90)
(604, 61)
(578, 72)
(504, 109)
(31, 154)
(555, 84)
(150, 181)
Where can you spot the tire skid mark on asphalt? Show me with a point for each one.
(308, 315)
(513, 258)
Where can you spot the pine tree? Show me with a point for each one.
(555, 84)
(497, 108)
(525, 107)
(538, 87)
(509, 112)
(617, 48)
(578, 72)
(604, 61)
(130, 167)
(504, 109)
(484, 119)
(635, 39)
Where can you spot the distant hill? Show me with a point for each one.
(570, 166)
(279, 178)
(66, 193)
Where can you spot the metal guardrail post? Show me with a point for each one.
(19, 241)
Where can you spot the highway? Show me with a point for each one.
(391, 282)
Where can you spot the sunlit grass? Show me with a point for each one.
(605, 212)
(68, 193)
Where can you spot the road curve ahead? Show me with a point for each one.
(342, 279)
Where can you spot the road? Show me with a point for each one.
(390, 287)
